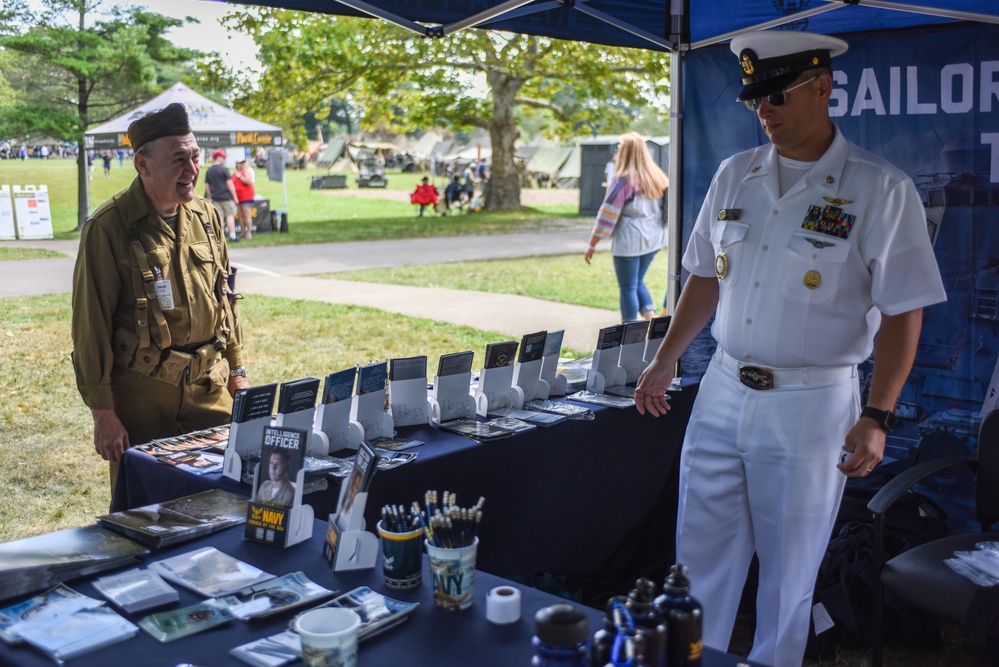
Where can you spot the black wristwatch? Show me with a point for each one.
(884, 418)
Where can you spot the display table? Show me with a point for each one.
(429, 637)
(591, 498)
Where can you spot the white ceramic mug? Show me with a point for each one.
(329, 637)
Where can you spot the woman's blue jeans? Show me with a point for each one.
(635, 297)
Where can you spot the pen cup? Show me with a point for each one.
(453, 573)
(329, 637)
(402, 557)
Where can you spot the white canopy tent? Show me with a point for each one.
(214, 126)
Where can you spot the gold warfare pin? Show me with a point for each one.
(721, 264)
(835, 201)
(813, 279)
(729, 213)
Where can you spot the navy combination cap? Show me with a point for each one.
(167, 122)
(771, 60)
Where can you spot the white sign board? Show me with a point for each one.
(7, 232)
(31, 208)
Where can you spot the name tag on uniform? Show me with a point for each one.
(164, 293)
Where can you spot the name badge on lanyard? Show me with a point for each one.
(164, 291)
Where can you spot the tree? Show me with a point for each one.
(73, 65)
(403, 81)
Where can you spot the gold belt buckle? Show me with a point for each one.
(755, 377)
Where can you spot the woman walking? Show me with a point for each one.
(632, 218)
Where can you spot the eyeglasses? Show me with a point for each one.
(775, 99)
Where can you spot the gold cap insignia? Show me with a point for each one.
(838, 202)
(813, 279)
(747, 65)
(721, 265)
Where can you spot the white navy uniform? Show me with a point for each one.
(803, 280)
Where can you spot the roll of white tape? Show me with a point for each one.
(503, 605)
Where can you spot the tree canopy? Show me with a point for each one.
(473, 78)
(73, 64)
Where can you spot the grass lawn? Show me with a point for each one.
(314, 216)
(562, 278)
(57, 481)
(27, 253)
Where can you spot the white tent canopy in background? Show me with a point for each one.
(214, 126)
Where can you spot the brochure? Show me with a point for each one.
(499, 355)
(372, 378)
(408, 368)
(209, 572)
(298, 395)
(543, 419)
(178, 520)
(339, 386)
(359, 480)
(471, 428)
(556, 407)
(167, 626)
(57, 596)
(455, 364)
(253, 403)
(274, 651)
(532, 347)
(609, 400)
(63, 632)
(136, 590)
(378, 613)
(277, 595)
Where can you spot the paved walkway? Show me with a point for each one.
(284, 271)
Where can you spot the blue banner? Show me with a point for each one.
(928, 101)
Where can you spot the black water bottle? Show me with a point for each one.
(650, 625)
(682, 614)
(628, 650)
(602, 642)
(561, 636)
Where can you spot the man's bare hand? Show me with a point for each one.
(650, 394)
(110, 436)
(236, 383)
(866, 444)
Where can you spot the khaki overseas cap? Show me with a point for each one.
(167, 122)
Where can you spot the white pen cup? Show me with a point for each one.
(329, 637)
(453, 573)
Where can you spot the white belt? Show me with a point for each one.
(760, 377)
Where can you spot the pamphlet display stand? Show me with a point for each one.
(451, 398)
(408, 401)
(355, 548)
(557, 382)
(657, 332)
(244, 439)
(318, 444)
(298, 519)
(496, 391)
(632, 358)
(368, 412)
(335, 427)
(605, 371)
(527, 376)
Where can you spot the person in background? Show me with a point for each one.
(454, 194)
(156, 333)
(424, 195)
(631, 217)
(804, 249)
(220, 190)
(106, 159)
(242, 180)
(609, 169)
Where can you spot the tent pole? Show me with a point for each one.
(673, 233)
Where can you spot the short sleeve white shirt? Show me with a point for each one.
(804, 278)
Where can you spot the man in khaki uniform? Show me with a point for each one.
(156, 336)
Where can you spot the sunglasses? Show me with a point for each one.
(775, 99)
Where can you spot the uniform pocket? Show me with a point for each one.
(813, 267)
(203, 267)
(728, 238)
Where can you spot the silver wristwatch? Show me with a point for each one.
(238, 372)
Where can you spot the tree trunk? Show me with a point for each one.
(83, 187)
(503, 188)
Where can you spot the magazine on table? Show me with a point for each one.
(472, 428)
(63, 633)
(568, 410)
(209, 572)
(178, 520)
(609, 400)
(274, 651)
(60, 596)
(274, 596)
(544, 419)
(394, 444)
(136, 590)
(378, 613)
(167, 626)
(512, 423)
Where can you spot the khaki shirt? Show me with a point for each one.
(104, 294)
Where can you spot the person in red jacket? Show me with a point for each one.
(425, 195)
(242, 179)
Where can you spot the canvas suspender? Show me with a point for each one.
(146, 303)
(226, 321)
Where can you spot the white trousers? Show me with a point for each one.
(758, 474)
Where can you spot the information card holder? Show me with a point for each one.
(557, 382)
(527, 376)
(632, 357)
(368, 411)
(496, 391)
(244, 441)
(280, 526)
(305, 420)
(605, 371)
(350, 547)
(333, 421)
(409, 402)
(657, 333)
(452, 398)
